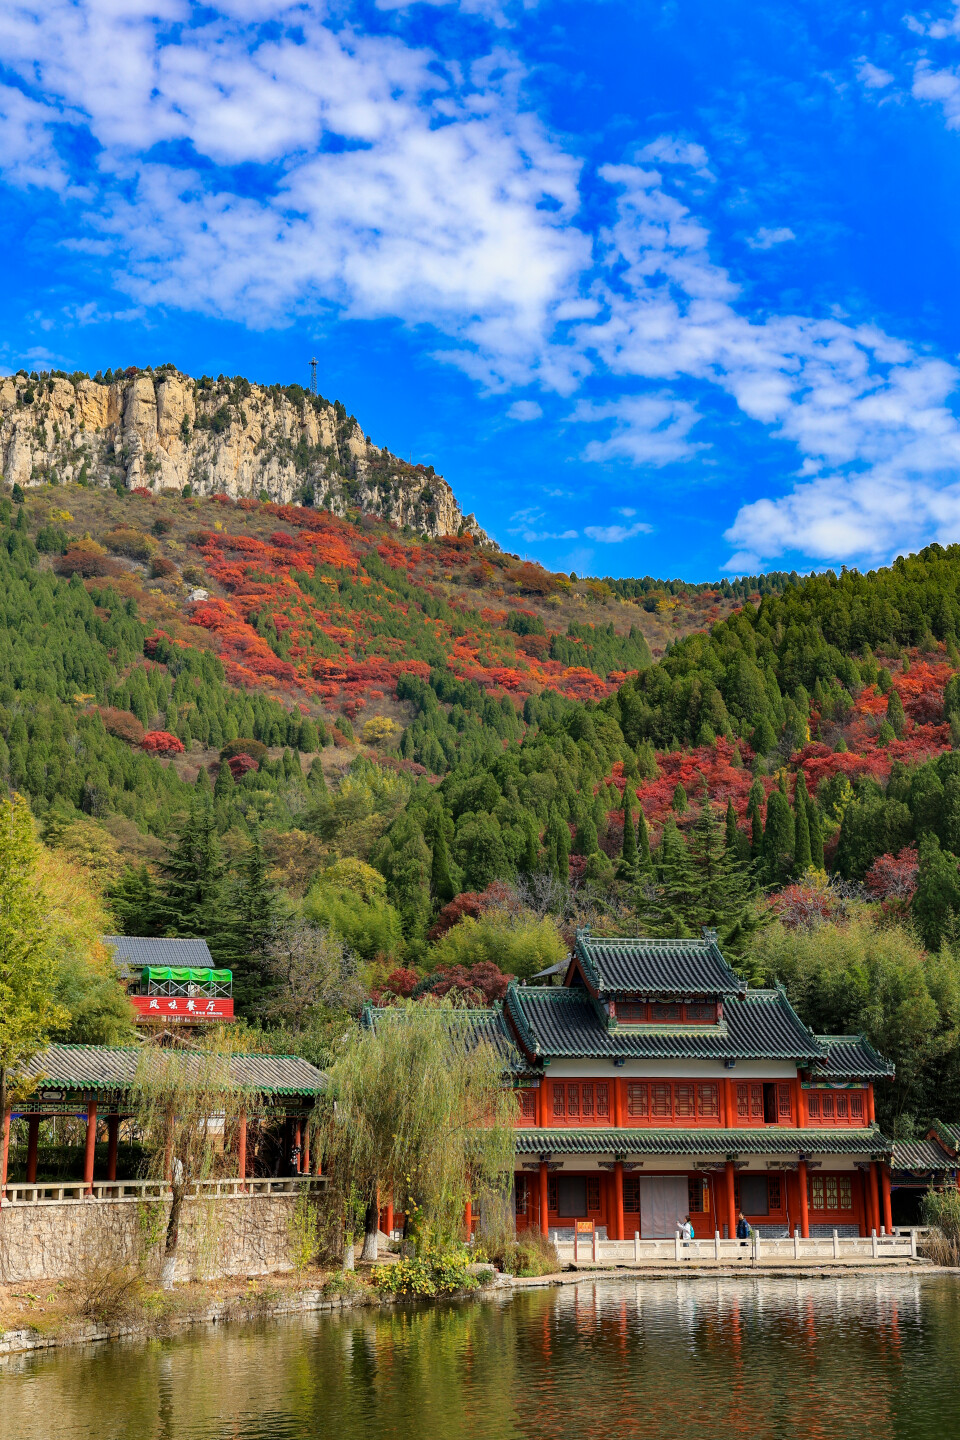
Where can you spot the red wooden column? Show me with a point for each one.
(885, 1192)
(90, 1150)
(242, 1148)
(871, 1112)
(113, 1141)
(305, 1158)
(729, 1103)
(468, 1219)
(618, 1200)
(804, 1207)
(731, 1199)
(874, 1197)
(617, 1102)
(798, 1101)
(4, 1150)
(33, 1145)
(544, 1198)
(389, 1216)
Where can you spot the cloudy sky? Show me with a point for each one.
(662, 289)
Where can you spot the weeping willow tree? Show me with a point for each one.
(419, 1108)
(187, 1106)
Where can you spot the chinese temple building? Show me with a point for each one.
(654, 1084)
(172, 982)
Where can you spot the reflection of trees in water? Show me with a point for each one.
(688, 1358)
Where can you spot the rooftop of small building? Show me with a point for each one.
(114, 1068)
(553, 1022)
(623, 966)
(136, 952)
(849, 1057)
(722, 1144)
(921, 1156)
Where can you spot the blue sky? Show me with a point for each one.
(662, 289)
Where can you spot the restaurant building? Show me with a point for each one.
(654, 1084)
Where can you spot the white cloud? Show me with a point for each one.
(670, 150)
(647, 429)
(615, 534)
(765, 239)
(871, 76)
(940, 86)
(525, 410)
(625, 510)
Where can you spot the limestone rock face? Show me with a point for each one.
(164, 431)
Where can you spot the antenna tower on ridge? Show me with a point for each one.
(313, 376)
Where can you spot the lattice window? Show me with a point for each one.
(586, 1102)
(660, 1100)
(528, 1104)
(559, 1101)
(708, 1101)
(698, 1014)
(521, 1184)
(666, 1013)
(815, 1188)
(631, 1194)
(685, 1101)
(773, 1192)
(784, 1106)
(631, 1010)
(698, 1196)
(593, 1194)
(856, 1105)
(743, 1102)
(830, 1192)
(843, 1107)
(813, 1105)
(603, 1100)
(573, 1100)
(846, 1192)
(826, 1103)
(637, 1100)
(553, 1196)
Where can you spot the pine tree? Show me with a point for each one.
(679, 801)
(816, 835)
(895, 714)
(134, 900)
(801, 827)
(731, 828)
(778, 839)
(441, 871)
(252, 919)
(936, 904)
(644, 863)
(190, 897)
(629, 852)
(225, 784)
(530, 858)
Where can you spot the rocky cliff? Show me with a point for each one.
(163, 430)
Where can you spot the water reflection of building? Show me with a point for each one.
(655, 1085)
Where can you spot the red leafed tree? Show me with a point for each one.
(123, 724)
(161, 742)
(893, 877)
(241, 764)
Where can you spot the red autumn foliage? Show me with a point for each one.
(121, 723)
(161, 742)
(86, 564)
(469, 903)
(242, 763)
(481, 984)
(894, 877)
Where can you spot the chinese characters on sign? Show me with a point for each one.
(183, 1007)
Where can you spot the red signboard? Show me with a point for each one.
(183, 1007)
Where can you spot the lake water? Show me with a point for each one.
(859, 1357)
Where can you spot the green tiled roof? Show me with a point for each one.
(920, 1155)
(722, 1143)
(561, 1022)
(657, 969)
(850, 1057)
(948, 1136)
(114, 1068)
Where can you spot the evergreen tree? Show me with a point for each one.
(586, 842)
(225, 784)
(189, 902)
(134, 900)
(252, 922)
(896, 718)
(936, 904)
(801, 826)
(731, 828)
(442, 885)
(530, 857)
(816, 835)
(629, 852)
(679, 801)
(644, 864)
(778, 839)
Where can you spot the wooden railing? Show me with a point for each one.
(57, 1193)
(902, 1245)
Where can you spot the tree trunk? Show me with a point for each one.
(371, 1227)
(349, 1255)
(169, 1265)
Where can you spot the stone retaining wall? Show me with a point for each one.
(239, 1235)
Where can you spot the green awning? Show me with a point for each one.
(222, 977)
(157, 972)
(181, 975)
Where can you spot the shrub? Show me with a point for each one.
(161, 568)
(86, 562)
(161, 742)
(941, 1210)
(123, 724)
(125, 540)
(433, 1272)
(253, 749)
(241, 764)
(527, 1254)
(379, 729)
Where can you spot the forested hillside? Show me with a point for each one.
(356, 758)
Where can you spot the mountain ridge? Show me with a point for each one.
(164, 430)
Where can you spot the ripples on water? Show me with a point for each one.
(698, 1358)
